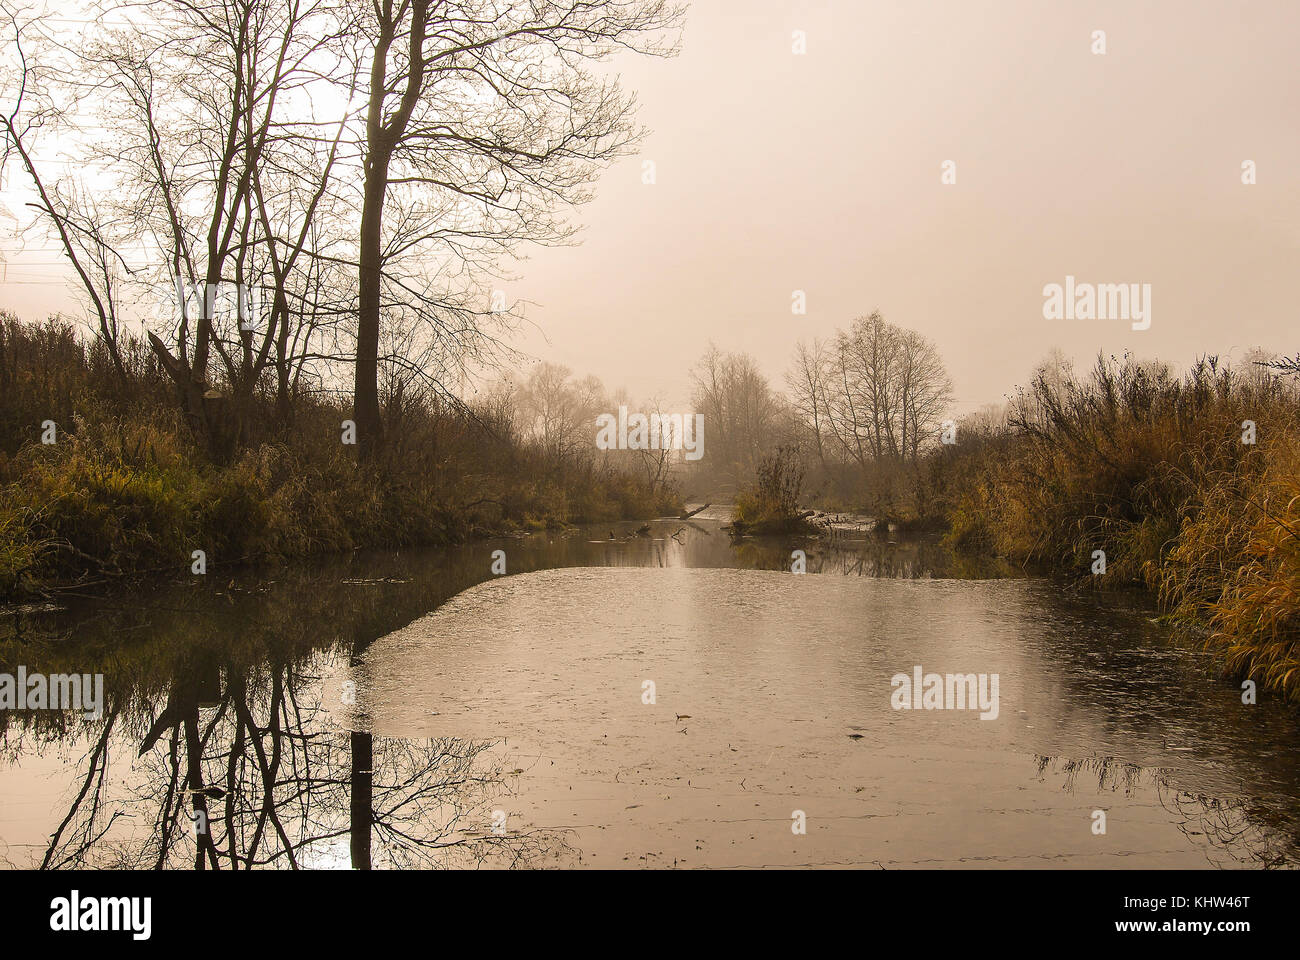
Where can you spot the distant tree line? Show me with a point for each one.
(860, 410)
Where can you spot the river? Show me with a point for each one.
(621, 699)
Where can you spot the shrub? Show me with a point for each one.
(1152, 468)
(125, 491)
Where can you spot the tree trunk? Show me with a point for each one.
(362, 783)
(190, 390)
(366, 388)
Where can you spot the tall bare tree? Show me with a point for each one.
(41, 110)
(740, 413)
(559, 413)
(215, 173)
(809, 382)
(484, 118)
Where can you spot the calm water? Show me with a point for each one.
(412, 709)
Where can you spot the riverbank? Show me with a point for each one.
(102, 484)
(1187, 486)
(80, 514)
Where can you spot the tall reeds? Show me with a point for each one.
(1189, 484)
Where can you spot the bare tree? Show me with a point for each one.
(740, 413)
(808, 380)
(482, 115)
(924, 392)
(559, 413)
(876, 395)
(40, 109)
(217, 175)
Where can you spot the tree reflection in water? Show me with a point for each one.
(1237, 831)
(278, 787)
(214, 709)
(241, 740)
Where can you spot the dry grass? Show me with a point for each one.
(1152, 469)
(126, 492)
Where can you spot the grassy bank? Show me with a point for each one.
(1159, 472)
(124, 491)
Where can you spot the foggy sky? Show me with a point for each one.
(821, 172)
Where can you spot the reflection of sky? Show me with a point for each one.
(764, 662)
(763, 678)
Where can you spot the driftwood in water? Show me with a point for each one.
(687, 516)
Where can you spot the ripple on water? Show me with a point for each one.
(772, 695)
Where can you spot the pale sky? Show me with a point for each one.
(821, 172)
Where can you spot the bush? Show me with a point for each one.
(1152, 469)
(126, 492)
(772, 506)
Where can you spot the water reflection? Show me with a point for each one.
(219, 747)
(240, 771)
(872, 555)
(773, 692)
(1238, 831)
